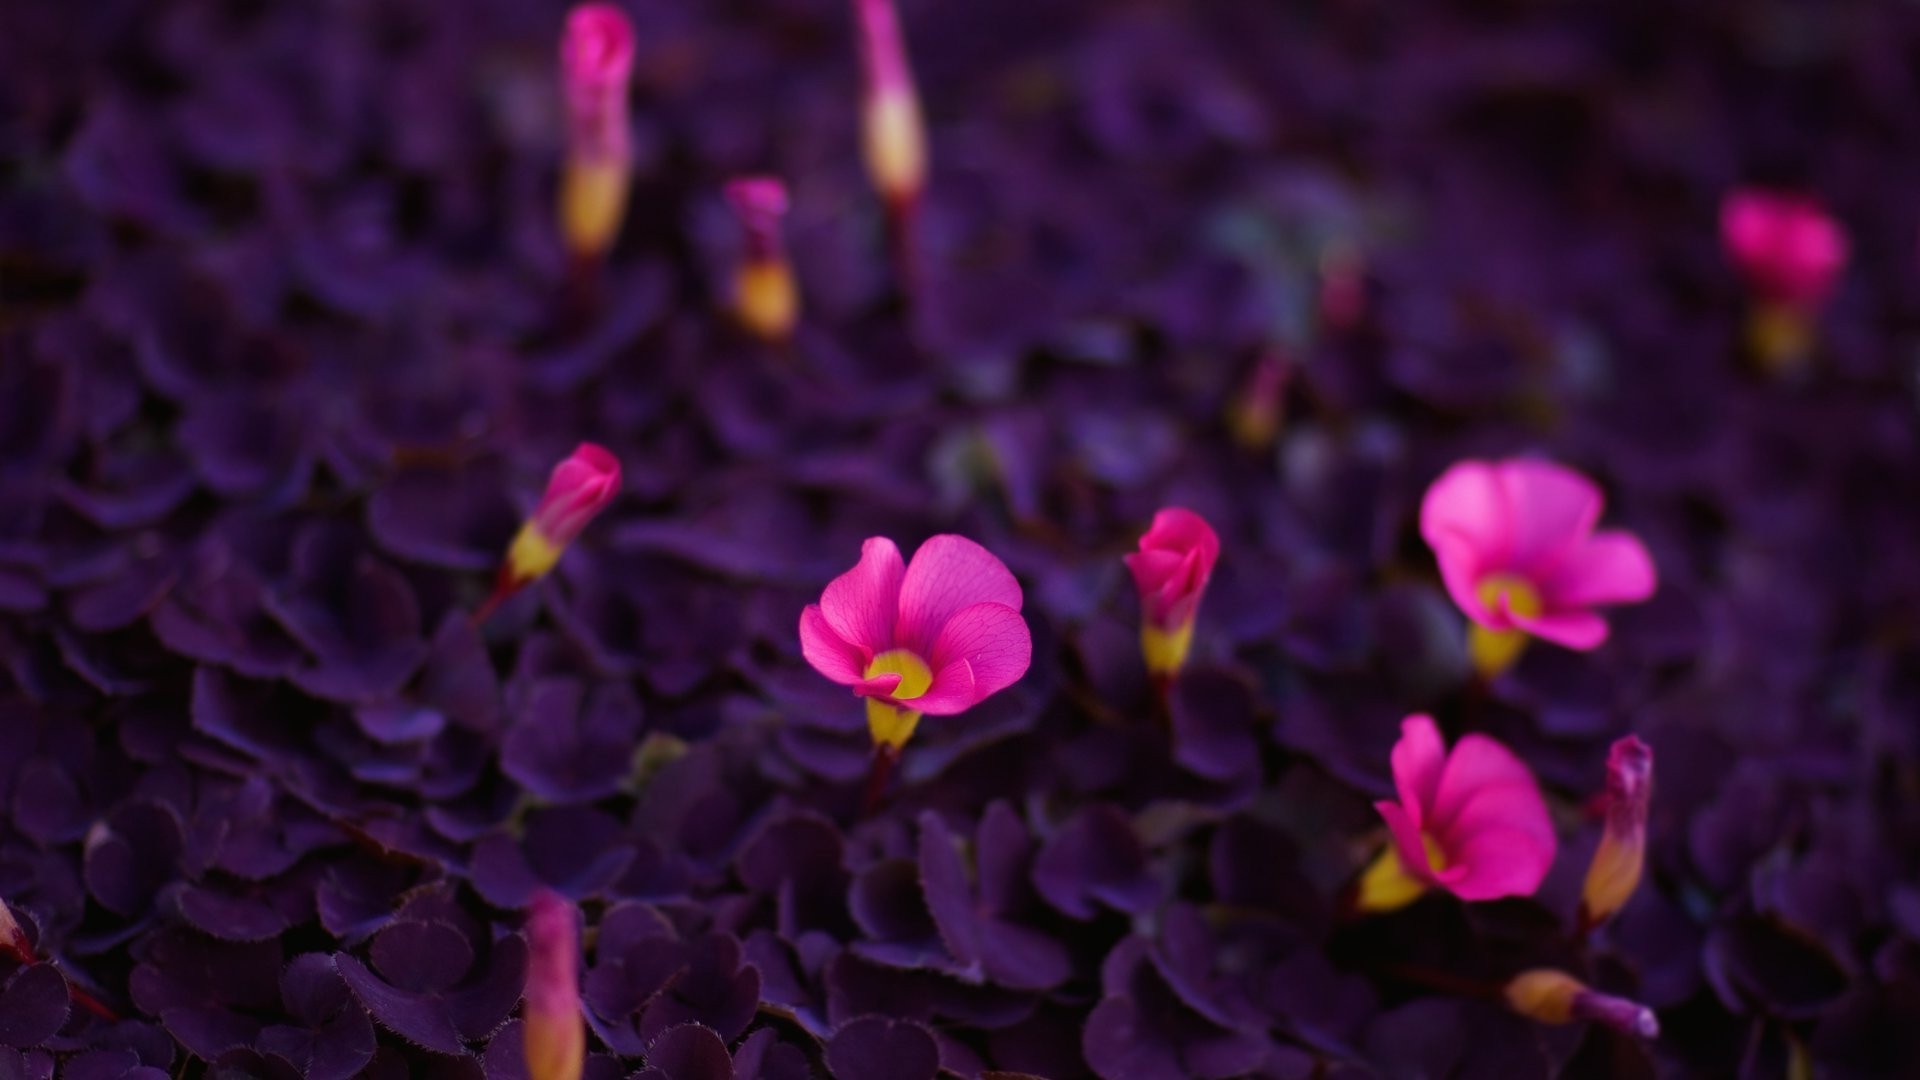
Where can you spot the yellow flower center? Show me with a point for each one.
(914, 674)
(1494, 651)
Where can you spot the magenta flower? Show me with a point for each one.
(765, 298)
(1618, 863)
(935, 636)
(1516, 545)
(1471, 821)
(1791, 253)
(1790, 250)
(580, 487)
(556, 1033)
(1171, 570)
(596, 66)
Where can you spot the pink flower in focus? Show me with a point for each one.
(935, 636)
(1470, 821)
(1171, 570)
(555, 1029)
(1516, 545)
(596, 65)
(1790, 250)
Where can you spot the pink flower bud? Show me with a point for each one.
(765, 297)
(581, 487)
(1790, 250)
(1617, 864)
(1554, 997)
(1171, 571)
(596, 66)
(556, 1033)
(13, 939)
(893, 135)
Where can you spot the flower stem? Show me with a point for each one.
(884, 757)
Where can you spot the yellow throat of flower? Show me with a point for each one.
(1387, 886)
(765, 299)
(890, 725)
(1494, 651)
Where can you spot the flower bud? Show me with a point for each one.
(1554, 997)
(1171, 570)
(765, 299)
(1617, 864)
(1791, 252)
(893, 137)
(556, 1033)
(596, 67)
(581, 486)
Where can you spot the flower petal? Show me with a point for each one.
(1551, 509)
(1612, 567)
(827, 651)
(949, 573)
(952, 691)
(1406, 841)
(1418, 761)
(1499, 862)
(862, 604)
(1573, 629)
(994, 641)
(1465, 520)
(1477, 767)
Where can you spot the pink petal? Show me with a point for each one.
(880, 686)
(1180, 530)
(949, 573)
(994, 641)
(1464, 518)
(1572, 629)
(829, 654)
(1418, 759)
(1612, 567)
(862, 604)
(1499, 862)
(952, 691)
(1553, 509)
(1477, 765)
(1406, 841)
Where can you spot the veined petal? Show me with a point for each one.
(949, 573)
(862, 604)
(953, 691)
(994, 641)
(829, 653)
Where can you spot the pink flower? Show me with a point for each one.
(1617, 864)
(1516, 545)
(556, 1034)
(580, 487)
(1471, 821)
(1171, 570)
(1790, 250)
(935, 636)
(596, 65)
(892, 134)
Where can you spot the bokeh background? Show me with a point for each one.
(285, 355)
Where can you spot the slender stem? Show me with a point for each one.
(884, 757)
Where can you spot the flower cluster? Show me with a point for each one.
(889, 540)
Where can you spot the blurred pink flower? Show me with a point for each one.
(935, 636)
(1790, 250)
(556, 1034)
(1517, 548)
(1171, 570)
(581, 486)
(1471, 821)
